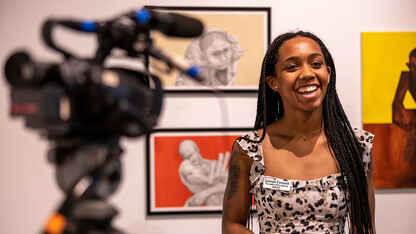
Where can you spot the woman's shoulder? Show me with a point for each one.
(248, 139)
(249, 143)
(365, 139)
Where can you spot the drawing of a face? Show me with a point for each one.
(218, 54)
(190, 151)
(216, 50)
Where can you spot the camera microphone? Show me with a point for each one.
(170, 24)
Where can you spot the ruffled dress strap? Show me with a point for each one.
(366, 141)
(254, 151)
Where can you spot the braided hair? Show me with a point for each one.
(342, 140)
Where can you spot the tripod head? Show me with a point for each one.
(83, 107)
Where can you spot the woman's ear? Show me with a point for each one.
(328, 68)
(272, 82)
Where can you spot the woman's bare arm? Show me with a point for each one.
(237, 197)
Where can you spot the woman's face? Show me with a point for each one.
(302, 76)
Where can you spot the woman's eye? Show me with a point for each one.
(316, 64)
(291, 67)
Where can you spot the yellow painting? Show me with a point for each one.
(389, 107)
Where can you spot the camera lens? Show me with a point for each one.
(21, 70)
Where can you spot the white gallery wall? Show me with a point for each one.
(29, 192)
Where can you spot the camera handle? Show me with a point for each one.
(121, 32)
(87, 172)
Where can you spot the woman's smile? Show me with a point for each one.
(308, 91)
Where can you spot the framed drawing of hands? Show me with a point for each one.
(188, 169)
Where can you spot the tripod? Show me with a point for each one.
(87, 171)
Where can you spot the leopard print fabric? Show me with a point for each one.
(311, 206)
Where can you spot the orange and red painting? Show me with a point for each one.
(188, 170)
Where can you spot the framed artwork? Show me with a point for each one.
(389, 107)
(229, 52)
(187, 169)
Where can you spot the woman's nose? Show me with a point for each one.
(306, 72)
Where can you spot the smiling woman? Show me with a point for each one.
(301, 76)
(308, 169)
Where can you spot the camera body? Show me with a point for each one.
(82, 98)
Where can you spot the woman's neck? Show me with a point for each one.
(303, 122)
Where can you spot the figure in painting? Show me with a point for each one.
(216, 53)
(205, 179)
(406, 118)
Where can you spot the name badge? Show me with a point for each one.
(274, 183)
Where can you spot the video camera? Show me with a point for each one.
(81, 97)
(84, 107)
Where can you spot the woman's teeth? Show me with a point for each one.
(307, 89)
